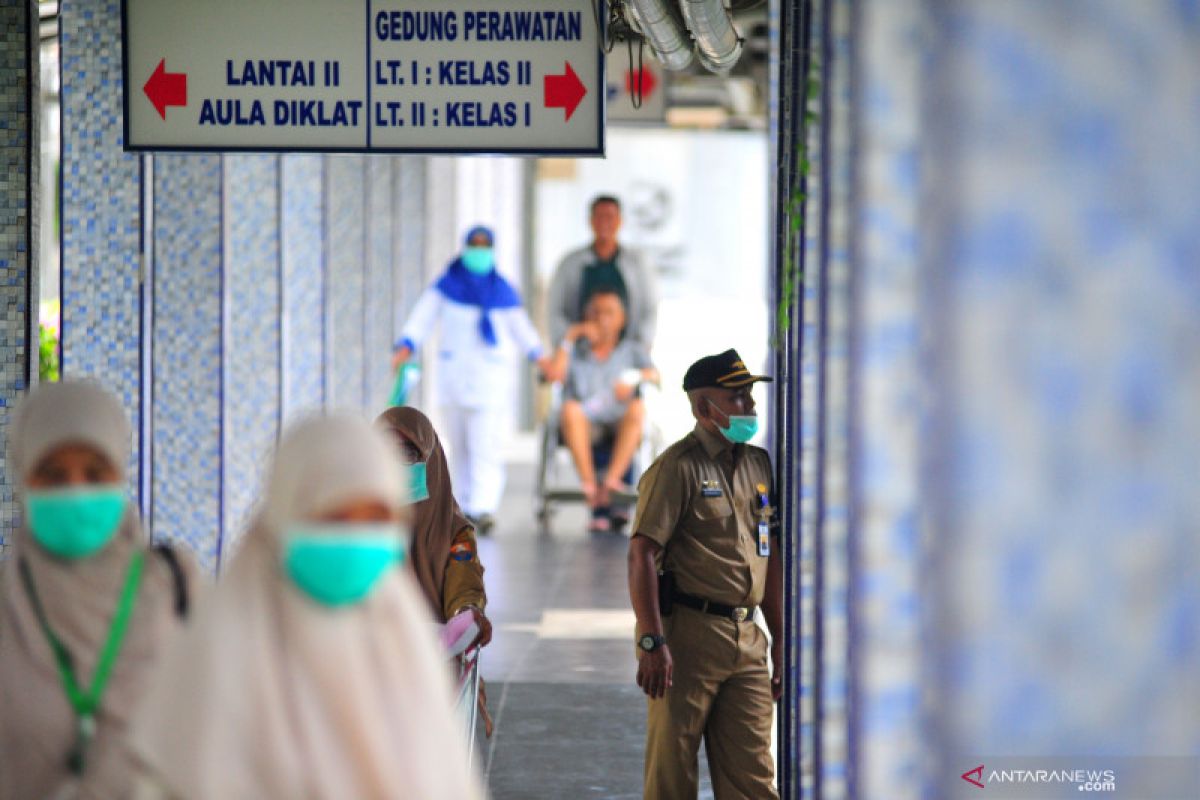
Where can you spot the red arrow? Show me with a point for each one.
(166, 89)
(564, 91)
(644, 78)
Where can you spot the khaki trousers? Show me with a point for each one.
(721, 691)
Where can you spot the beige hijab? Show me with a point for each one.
(271, 695)
(437, 520)
(37, 723)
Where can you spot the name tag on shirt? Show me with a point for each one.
(710, 489)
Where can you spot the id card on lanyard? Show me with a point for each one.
(85, 702)
(764, 528)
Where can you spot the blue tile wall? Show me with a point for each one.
(835, 406)
(809, 432)
(269, 295)
(252, 354)
(101, 217)
(410, 262)
(378, 300)
(1068, 250)
(303, 291)
(891, 740)
(188, 352)
(1027, 309)
(19, 148)
(409, 243)
(345, 329)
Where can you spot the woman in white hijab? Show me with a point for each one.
(85, 606)
(313, 671)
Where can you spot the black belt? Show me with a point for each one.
(735, 613)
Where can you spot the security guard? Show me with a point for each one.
(700, 561)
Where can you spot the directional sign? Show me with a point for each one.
(413, 76)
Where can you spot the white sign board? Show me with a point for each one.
(413, 76)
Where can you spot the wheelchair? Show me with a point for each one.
(557, 481)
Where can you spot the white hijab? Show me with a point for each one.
(272, 695)
(37, 723)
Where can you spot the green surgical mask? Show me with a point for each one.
(76, 522)
(338, 564)
(418, 489)
(478, 260)
(741, 427)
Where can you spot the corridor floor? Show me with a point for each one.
(569, 718)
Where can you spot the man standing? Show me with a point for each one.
(704, 518)
(603, 264)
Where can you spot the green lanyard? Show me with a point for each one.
(86, 704)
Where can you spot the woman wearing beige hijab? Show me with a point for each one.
(312, 671)
(85, 606)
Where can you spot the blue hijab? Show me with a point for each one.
(488, 291)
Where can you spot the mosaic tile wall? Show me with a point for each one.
(821, 587)
(189, 352)
(809, 429)
(441, 243)
(891, 742)
(252, 355)
(377, 301)
(1068, 251)
(409, 248)
(1024, 386)
(19, 145)
(274, 289)
(835, 402)
(345, 192)
(101, 217)
(411, 261)
(302, 300)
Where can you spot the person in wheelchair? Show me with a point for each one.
(602, 411)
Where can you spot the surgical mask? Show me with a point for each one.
(76, 522)
(478, 260)
(339, 564)
(418, 489)
(741, 427)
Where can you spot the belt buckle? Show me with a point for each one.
(740, 613)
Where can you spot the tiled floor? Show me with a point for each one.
(569, 719)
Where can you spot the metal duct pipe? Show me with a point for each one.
(717, 41)
(659, 22)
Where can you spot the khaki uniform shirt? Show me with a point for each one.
(702, 500)
(464, 576)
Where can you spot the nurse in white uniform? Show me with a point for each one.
(483, 326)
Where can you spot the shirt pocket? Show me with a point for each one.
(712, 512)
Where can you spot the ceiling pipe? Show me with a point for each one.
(717, 42)
(659, 22)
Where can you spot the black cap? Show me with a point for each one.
(724, 371)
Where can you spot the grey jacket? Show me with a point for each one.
(562, 303)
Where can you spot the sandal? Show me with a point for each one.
(599, 525)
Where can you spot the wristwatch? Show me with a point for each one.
(651, 642)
